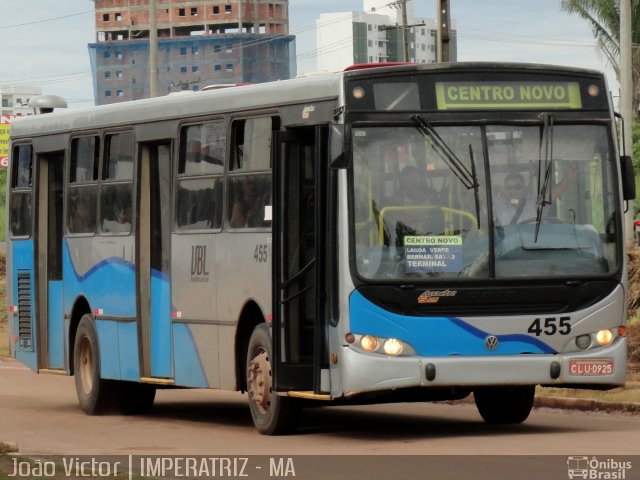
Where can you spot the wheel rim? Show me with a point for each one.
(259, 381)
(86, 365)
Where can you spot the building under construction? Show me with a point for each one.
(200, 43)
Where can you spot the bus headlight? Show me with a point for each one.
(384, 346)
(369, 343)
(392, 347)
(604, 337)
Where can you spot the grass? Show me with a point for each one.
(629, 393)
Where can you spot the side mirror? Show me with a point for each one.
(628, 178)
(339, 151)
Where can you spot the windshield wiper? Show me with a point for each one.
(475, 185)
(468, 178)
(544, 186)
(450, 158)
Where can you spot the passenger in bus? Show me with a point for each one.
(248, 209)
(422, 215)
(82, 214)
(413, 189)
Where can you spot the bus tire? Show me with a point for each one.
(95, 395)
(272, 414)
(136, 398)
(505, 405)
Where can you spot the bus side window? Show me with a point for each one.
(20, 197)
(249, 186)
(200, 180)
(116, 190)
(83, 187)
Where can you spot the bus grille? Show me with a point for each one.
(25, 327)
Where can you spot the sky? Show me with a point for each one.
(44, 42)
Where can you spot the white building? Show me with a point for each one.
(374, 35)
(14, 100)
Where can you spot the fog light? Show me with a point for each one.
(604, 337)
(393, 347)
(583, 342)
(369, 343)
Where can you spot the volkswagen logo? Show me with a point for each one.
(491, 342)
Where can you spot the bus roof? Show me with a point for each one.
(258, 96)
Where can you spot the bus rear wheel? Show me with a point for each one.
(272, 414)
(505, 405)
(95, 394)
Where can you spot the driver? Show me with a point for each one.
(515, 202)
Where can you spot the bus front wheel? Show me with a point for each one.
(95, 394)
(505, 405)
(272, 414)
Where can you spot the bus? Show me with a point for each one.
(391, 233)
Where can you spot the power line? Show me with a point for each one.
(35, 22)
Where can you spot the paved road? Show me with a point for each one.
(41, 414)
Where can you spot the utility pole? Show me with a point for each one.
(626, 98)
(405, 35)
(443, 50)
(153, 49)
(404, 26)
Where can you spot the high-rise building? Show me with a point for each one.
(14, 100)
(200, 43)
(375, 35)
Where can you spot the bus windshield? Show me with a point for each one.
(425, 208)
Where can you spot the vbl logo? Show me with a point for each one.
(199, 260)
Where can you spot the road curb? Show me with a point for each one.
(587, 405)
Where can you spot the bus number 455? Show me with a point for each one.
(550, 326)
(260, 253)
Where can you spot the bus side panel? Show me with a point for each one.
(194, 277)
(56, 327)
(22, 279)
(188, 364)
(128, 348)
(109, 349)
(106, 278)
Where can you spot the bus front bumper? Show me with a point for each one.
(600, 367)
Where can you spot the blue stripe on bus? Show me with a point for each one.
(435, 336)
(160, 325)
(188, 365)
(109, 351)
(128, 349)
(56, 325)
(109, 285)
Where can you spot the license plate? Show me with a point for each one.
(592, 367)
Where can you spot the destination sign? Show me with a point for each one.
(434, 253)
(508, 95)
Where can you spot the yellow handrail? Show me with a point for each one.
(444, 210)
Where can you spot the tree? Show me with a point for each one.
(603, 16)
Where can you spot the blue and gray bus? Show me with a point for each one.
(395, 233)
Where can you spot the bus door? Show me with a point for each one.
(48, 255)
(153, 253)
(299, 223)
